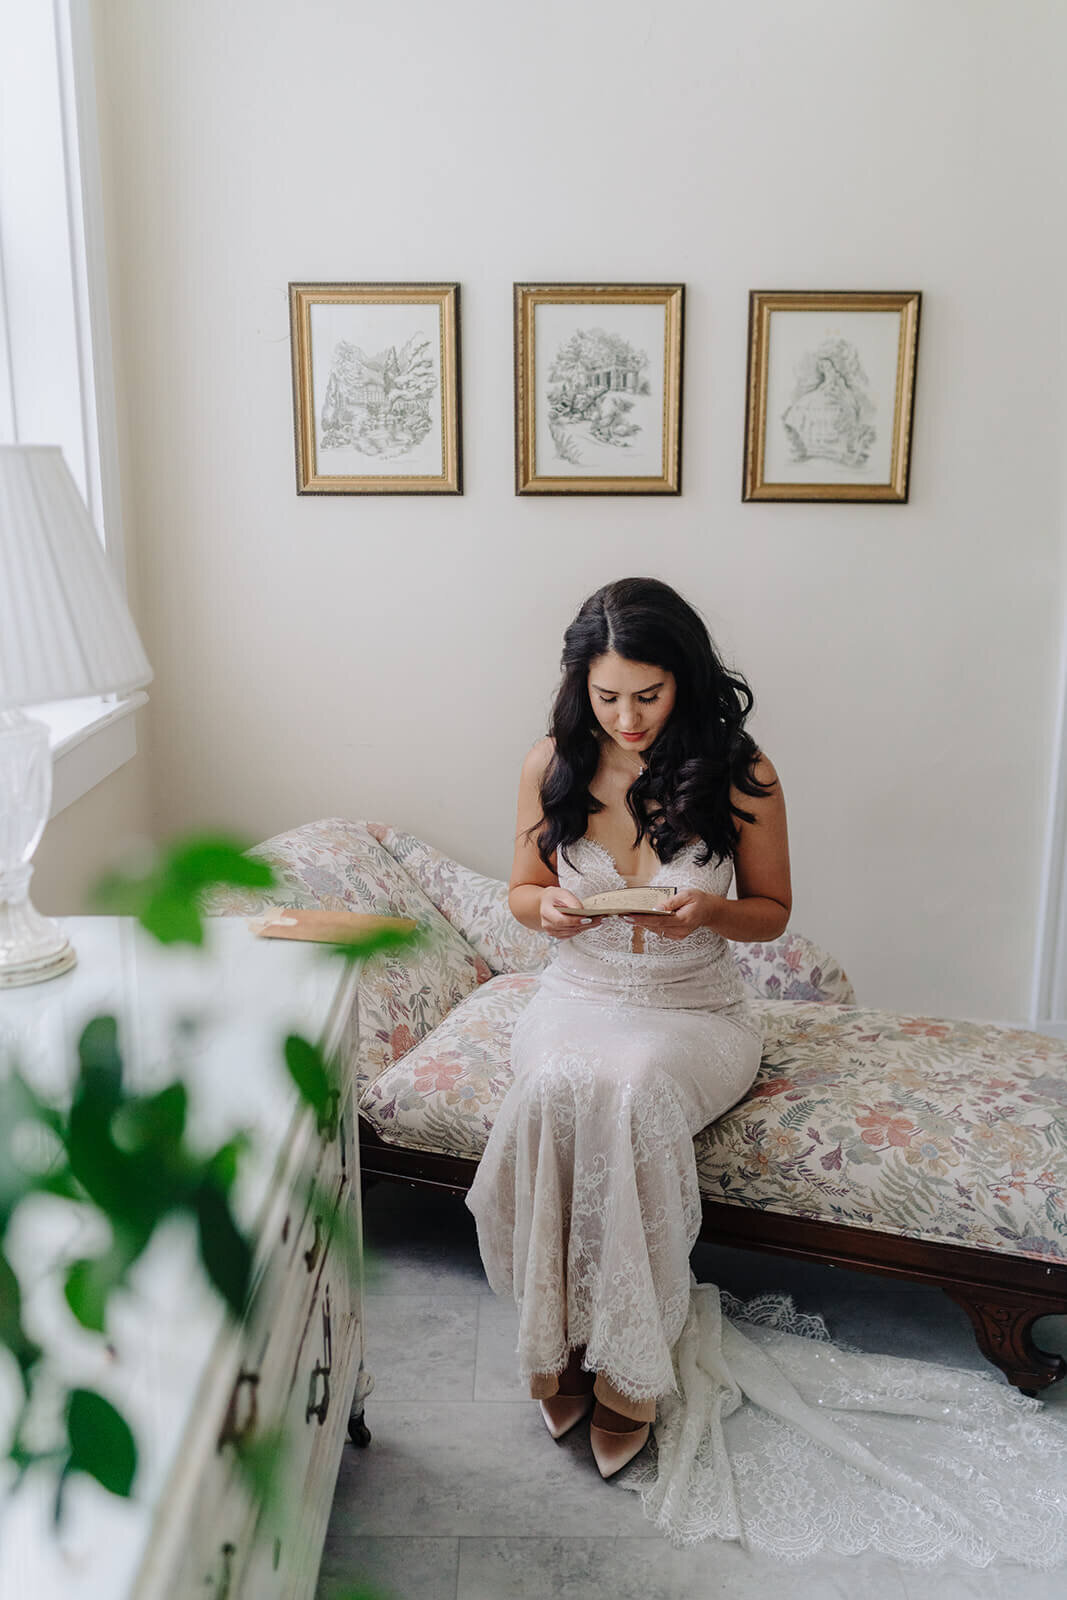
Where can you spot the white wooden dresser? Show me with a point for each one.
(194, 1387)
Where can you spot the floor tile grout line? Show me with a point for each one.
(477, 1347)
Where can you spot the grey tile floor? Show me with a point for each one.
(462, 1495)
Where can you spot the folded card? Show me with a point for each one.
(325, 927)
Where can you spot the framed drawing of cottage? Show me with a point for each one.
(598, 388)
(376, 387)
(831, 395)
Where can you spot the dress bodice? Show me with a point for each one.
(697, 971)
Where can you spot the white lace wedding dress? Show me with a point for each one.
(587, 1208)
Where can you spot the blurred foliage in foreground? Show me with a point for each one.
(126, 1157)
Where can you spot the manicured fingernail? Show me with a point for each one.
(587, 919)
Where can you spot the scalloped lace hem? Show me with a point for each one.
(794, 1444)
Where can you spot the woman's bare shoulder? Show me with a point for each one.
(538, 758)
(764, 772)
(763, 769)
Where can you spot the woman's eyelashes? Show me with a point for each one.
(641, 700)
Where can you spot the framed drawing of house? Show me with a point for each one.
(831, 395)
(376, 388)
(598, 388)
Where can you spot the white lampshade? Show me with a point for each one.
(65, 630)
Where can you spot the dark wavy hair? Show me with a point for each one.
(684, 792)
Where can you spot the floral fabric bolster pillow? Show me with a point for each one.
(476, 906)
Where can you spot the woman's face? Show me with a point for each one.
(631, 700)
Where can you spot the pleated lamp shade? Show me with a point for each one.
(65, 629)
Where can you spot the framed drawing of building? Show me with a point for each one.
(598, 388)
(376, 388)
(831, 395)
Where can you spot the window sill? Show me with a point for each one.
(91, 739)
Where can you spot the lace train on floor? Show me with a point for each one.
(794, 1444)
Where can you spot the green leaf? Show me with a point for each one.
(261, 1460)
(207, 859)
(172, 916)
(61, 1182)
(120, 895)
(166, 898)
(153, 1122)
(225, 1252)
(18, 1106)
(222, 1166)
(375, 942)
(87, 1289)
(309, 1072)
(101, 1443)
(101, 1064)
(90, 1282)
(12, 1333)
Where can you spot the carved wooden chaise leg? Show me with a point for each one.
(358, 1431)
(1002, 1324)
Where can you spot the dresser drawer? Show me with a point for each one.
(288, 1539)
(265, 1357)
(313, 1183)
(222, 1529)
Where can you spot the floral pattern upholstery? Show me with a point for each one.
(954, 1132)
(339, 865)
(793, 968)
(789, 968)
(444, 1094)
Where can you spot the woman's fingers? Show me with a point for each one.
(560, 926)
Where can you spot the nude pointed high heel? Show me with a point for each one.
(612, 1451)
(562, 1411)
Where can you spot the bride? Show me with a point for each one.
(586, 1199)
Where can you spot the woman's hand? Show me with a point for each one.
(555, 923)
(689, 909)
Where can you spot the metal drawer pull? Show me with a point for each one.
(311, 1254)
(235, 1432)
(320, 1410)
(327, 1331)
(222, 1589)
(323, 1368)
(329, 1117)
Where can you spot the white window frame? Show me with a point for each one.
(1048, 1006)
(90, 738)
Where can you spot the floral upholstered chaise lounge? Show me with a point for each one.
(919, 1147)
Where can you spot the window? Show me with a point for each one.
(56, 384)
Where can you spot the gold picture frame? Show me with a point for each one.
(598, 388)
(376, 384)
(826, 372)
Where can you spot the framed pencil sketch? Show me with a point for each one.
(376, 388)
(831, 395)
(598, 388)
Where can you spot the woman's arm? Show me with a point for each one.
(533, 890)
(761, 867)
(761, 871)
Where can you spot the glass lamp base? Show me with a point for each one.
(32, 948)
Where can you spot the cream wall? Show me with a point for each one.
(394, 658)
(90, 836)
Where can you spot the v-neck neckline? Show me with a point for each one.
(612, 864)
